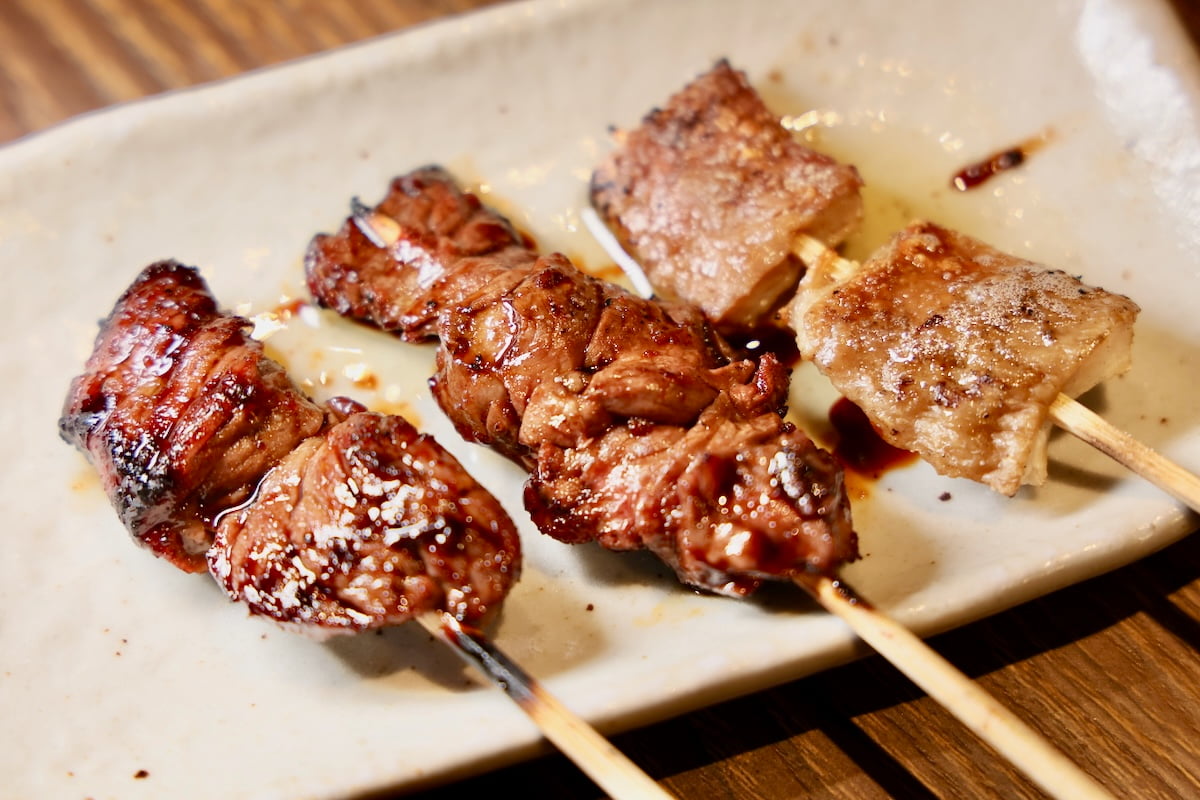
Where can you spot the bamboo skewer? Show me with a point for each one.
(1007, 734)
(1118, 445)
(592, 753)
(954, 691)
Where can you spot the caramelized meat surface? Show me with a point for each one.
(432, 227)
(710, 192)
(327, 518)
(638, 425)
(549, 355)
(956, 350)
(180, 412)
(363, 527)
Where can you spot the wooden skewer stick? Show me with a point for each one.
(957, 693)
(1118, 445)
(592, 753)
(1068, 414)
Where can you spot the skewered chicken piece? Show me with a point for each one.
(710, 192)
(1061, 335)
(638, 424)
(325, 519)
(330, 517)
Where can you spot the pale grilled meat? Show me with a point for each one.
(328, 518)
(709, 193)
(639, 426)
(956, 350)
(180, 412)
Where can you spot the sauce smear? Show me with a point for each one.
(859, 447)
(754, 342)
(975, 174)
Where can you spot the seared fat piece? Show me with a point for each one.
(638, 425)
(956, 350)
(710, 192)
(332, 518)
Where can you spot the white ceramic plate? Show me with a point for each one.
(112, 663)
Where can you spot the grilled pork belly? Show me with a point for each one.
(180, 412)
(710, 193)
(638, 425)
(956, 350)
(330, 518)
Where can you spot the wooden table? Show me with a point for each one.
(1107, 670)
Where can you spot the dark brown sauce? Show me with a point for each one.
(859, 447)
(754, 342)
(976, 174)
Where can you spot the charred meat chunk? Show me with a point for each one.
(363, 527)
(433, 227)
(180, 412)
(326, 518)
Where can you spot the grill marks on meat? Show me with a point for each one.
(331, 518)
(547, 355)
(638, 425)
(726, 502)
(710, 192)
(180, 412)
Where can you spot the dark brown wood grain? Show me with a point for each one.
(1108, 670)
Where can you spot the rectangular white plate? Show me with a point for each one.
(112, 663)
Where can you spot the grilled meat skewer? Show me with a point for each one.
(954, 350)
(639, 425)
(328, 517)
(711, 192)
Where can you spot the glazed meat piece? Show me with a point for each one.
(727, 502)
(956, 350)
(548, 355)
(434, 226)
(710, 192)
(639, 427)
(180, 412)
(328, 518)
(363, 527)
